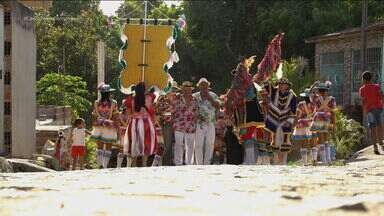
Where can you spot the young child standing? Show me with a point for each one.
(373, 107)
(78, 143)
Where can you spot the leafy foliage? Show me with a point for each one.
(71, 7)
(219, 32)
(60, 90)
(347, 137)
(90, 158)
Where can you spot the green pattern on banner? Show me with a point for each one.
(123, 64)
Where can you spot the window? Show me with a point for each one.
(7, 108)
(7, 18)
(7, 138)
(373, 65)
(7, 141)
(7, 78)
(332, 69)
(7, 48)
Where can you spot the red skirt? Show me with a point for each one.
(77, 151)
(141, 134)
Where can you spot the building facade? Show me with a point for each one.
(337, 58)
(17, 78)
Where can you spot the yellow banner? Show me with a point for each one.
(156, 54)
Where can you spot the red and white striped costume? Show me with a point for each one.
(141, 133)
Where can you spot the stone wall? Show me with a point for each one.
(23, 88)
(346, 45)
(50, 132)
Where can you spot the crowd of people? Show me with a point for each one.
(191, 125)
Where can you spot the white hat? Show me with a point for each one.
(203, 79)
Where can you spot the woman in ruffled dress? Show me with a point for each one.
(302, 134)
(141, 133)
(323, 120)
(104, 128)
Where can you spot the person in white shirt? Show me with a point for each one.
(208, 104)
(78, 143)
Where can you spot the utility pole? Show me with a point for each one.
(363, 38)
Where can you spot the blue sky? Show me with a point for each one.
(109, 7)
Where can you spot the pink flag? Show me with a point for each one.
(271, 59)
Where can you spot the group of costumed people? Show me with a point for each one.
(268, 118)
(265, 116)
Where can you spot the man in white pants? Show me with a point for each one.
(184, 114)
(208, 103)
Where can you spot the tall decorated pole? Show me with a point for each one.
(100, 63)
(144, 41)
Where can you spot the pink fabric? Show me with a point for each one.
(184, 116)
(271, 59)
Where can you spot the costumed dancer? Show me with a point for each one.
(280, 119)
(267, 66)
(302, 135)
(241, 84)
(323, 120)
(252, 132)
(243, 104)
(104, 130)
(141, 133)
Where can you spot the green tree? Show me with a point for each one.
(220, 31)
(72, 7)
(135, 9)
(63, 90)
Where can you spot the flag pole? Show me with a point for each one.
(144, 40)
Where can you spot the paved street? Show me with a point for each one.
(196, 190)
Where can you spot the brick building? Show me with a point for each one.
(337, 58)
(18, 77)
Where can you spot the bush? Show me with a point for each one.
(347, 137)
(90, 158)
(64, 90)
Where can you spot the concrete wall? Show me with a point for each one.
(2, 149)
(23, 81)
(346, 45)
(61, 115)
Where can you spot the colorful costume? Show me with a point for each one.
(322, 121)
(104, 128)
(241, 85)
(280, 117)
(302, 131)
(252, 132)
(323, 113)
(141, 134)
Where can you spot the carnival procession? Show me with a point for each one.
(258, 121)
(192, 107)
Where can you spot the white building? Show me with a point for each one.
(17, 79)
